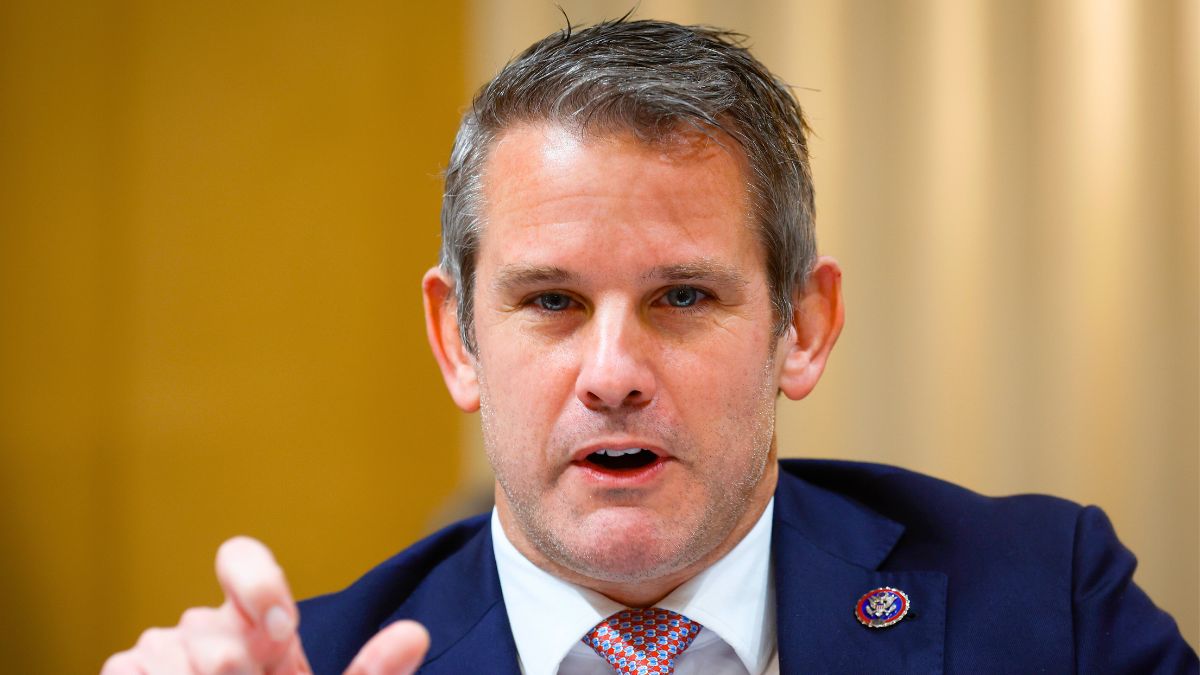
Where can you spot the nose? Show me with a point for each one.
(615, 371)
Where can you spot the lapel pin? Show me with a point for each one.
(881, 607)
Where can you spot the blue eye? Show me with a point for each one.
(552, 302)
(683, 296)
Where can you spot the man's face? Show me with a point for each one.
(626, 362)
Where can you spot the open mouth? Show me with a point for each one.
(621, 460)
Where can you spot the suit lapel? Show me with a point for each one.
(827, 551)
(461, 605)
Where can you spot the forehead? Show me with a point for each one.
(555, 190)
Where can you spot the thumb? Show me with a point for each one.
(396, 650)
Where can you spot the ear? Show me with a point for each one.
(817, 317)
(441, 326)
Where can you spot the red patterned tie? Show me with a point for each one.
(643, 641)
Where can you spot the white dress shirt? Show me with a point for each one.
(734, 600)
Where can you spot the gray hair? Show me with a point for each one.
(651, 78)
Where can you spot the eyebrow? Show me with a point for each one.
(512, 277)
(703, 269)
(515, 277)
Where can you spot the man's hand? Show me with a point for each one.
(254, 631)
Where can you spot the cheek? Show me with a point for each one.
(727, 395)
(526, 389)
(714, 372)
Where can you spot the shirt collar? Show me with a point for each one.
(734, 599)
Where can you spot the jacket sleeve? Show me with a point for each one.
(1117, 628)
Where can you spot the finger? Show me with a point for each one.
(396, 650)
(206, 630)
(295, 662)
(161, 651)
(123, 663)
(255, 585)
(218, 653)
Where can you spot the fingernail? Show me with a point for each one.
(280, 624)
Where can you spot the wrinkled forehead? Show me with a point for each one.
(552, 190)
(575, 158)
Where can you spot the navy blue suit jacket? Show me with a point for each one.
(1023, 584)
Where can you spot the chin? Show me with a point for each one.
(625, 545)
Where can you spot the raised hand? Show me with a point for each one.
(254, 630)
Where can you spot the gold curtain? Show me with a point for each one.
(214, 217)
(1011, 188)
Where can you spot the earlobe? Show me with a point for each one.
(441, 327)
(817, 318)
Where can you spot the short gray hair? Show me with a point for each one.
(651, 78)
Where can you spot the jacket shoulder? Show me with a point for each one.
(334, 627)
(923, 503)
(951, 529)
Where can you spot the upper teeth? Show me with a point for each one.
(617, 453)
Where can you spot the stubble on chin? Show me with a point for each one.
(634, 546)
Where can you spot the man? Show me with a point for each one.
(629, 279)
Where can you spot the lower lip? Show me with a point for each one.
(622, 478)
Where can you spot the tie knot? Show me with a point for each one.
(642, 641)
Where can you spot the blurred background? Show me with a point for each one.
(214, 218)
